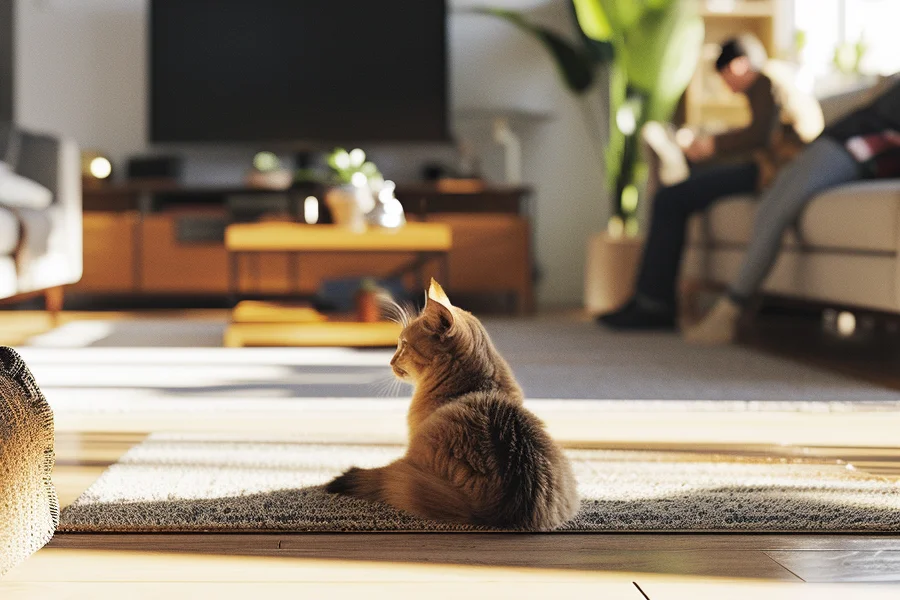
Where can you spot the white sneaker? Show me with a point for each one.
(718, 327)
(673, 166)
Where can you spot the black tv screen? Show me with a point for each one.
(298, 71)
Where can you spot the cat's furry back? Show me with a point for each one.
(476, 455)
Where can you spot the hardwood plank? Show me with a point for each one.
(554, 552)
(505, 590)
(61, 565)
(660, 589)
(345, 544)
(835, 565)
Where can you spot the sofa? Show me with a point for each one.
(41, 248)
(843, 252)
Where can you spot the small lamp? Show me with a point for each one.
(96, 168)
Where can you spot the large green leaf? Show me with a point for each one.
(677, 67)
(600, 51)
(657, 43)
(574, 63)
(593, 19)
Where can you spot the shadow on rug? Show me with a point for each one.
(206, 483)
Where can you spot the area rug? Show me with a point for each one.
(202, 482)
(29, 510)
(553, 358)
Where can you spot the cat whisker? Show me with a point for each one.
(402, 314)
(383, 386)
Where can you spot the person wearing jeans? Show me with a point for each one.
(864, 144)
(783, 119)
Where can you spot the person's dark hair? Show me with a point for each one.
(744, 45)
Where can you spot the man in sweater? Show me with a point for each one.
(783, 119)
(864, 144)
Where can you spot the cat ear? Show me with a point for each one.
(437, 313)
(436, 293)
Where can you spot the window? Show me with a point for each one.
(830, 24)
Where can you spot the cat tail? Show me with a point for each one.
(407, 487)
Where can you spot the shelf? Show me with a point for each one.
(745, 9)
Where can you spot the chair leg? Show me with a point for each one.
(54, 299)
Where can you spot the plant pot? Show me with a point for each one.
(345, 204)
(367, 309)
(610, 269)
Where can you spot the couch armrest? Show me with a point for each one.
(55, 163)
(68, 198)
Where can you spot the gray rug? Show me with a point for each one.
(200, 482)
(560, 359)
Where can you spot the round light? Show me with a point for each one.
(626, 120)
(265, 161)
(393, 207)
(386, 193)
(357, 157)
(342, 159)
(359, 179)
(101, 168)
(846, 323)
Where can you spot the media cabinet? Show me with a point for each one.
(162, 238)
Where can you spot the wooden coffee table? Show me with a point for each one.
(277, 324)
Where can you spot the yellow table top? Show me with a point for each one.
(298, 237)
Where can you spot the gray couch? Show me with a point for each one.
(845, 250)
(42, 249)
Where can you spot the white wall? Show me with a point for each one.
(81, 72)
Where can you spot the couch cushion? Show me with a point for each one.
(860, 216)
(20, 192)
(9, 232)
(729, 222)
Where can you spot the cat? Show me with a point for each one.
(476, 455)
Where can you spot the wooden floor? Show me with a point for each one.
(496, 566)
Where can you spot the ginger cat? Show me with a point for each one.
(476, 455)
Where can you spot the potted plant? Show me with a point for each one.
(349, 197)
(649, 50)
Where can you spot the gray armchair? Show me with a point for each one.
(41, 250)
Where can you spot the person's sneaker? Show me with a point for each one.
(635, 315)
(718, 327)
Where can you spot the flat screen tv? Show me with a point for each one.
(298, 72)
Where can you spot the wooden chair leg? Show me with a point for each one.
(54, 299)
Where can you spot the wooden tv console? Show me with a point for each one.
(161, 238)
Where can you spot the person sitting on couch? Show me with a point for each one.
(864, 144)
(783, 120)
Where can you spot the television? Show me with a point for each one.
(297, 73)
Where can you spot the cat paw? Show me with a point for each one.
(344, 484)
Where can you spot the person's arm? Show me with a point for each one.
(764, 113)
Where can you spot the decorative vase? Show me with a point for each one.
(346, 204)
(610, 269)
(367, 309)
